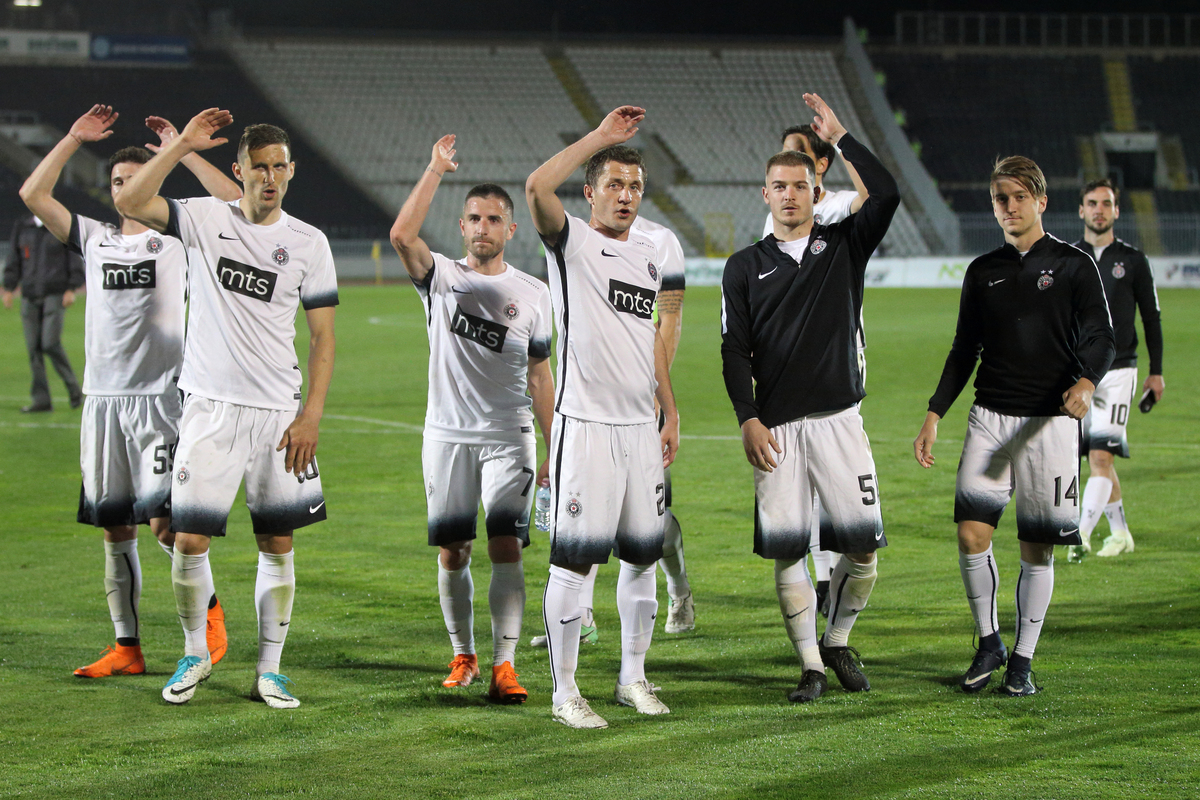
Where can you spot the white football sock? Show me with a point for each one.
(456, 592)
(822, 560)
(1034, 588)
(192, 579)
(506, 599)
(798, 605)
(981, 579)
(636, 603)
(273, 594)
(1095, 498)
(672, 563)
(1116, 516)
(586, 596)
(123, 586)
(168, 549)
(849, 589)
(560, 609)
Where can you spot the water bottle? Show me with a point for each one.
(541, 514)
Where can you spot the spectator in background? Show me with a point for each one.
(48, 276)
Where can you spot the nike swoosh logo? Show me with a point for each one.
(1035, 621)
(102, 244)
(569, 620)
(977, 680)
(765, 274)
(993, 283)
(1065, 532)
(879, 536)
(1114, 444)
(511, 638)
(316, 508)
(798, 613)
(228, 238)
(457, 290)
(974, 596)
(285, 624)
(604, 252)
(185, 688)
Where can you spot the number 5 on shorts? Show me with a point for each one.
(865, 485)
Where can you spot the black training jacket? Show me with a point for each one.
(1037, 324)
(1129, 287)
(789, 331)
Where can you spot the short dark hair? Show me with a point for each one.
(259, 136)
(1103, 183)
(792, 158)
(618, 153)
(486, 190)
(129, 155)
(1022, 170)
(820, 147)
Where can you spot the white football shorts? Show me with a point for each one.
(126, 448)
(827, 455)
(608, 492)
(458, 476)
(1104, 425)
(222, 443)
(1032, 459)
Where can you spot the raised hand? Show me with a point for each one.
(198, 133)
(95, 125)
(825, 123)
(621, 124)
(165, 130)
(443, 156)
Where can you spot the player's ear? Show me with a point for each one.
(1042, 201)
(764, 192)
(587, 192)
(237, 172)
(291, 170)
(512, 228)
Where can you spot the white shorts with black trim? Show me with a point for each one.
(608, 492)
(827, 455)
(1104, 425)
(1032, 459)
(458, 476)
(126, 447)
(221, 443)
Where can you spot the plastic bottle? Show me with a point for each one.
(541, 515)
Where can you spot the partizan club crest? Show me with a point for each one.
(182, 476)
(1045, 281)
(511, 311)
(1119, 270)
(653, 271)
(154, 244)
(818, 247)
(574, 507)
(280, 256)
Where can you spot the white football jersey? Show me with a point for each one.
(833, 207)
(133, 323)
(483, 329)
(603, 291)
(670, 253)
(246, 283)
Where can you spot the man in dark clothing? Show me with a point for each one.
(1033, 313)
(1129, 287)
(48, 275)
(790, 321)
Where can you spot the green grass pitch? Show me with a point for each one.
(1119, 717)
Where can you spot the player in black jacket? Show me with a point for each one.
(790, 316)
(1129, 287)
(1034, 314)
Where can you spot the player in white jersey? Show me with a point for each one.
(133, 338)
(252, 266)
(607, 456)
(829, 208)
(668, 312)
(489, 331)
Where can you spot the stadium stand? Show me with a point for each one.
(965, 110)
(319, 196)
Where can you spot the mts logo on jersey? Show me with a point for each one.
(481, 331)
(129, 276)
(631, 299)
(244, 279)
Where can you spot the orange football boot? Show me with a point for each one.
(463, 669)
(116, 660)
(218, 642)
(504, 688)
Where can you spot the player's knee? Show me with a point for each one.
(504, 549)
(192, 544)
(974, 537)
(120, 533)
(1037, 553)
(455, 555)
(861, 558)
(1100, 462)
(161, 528)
